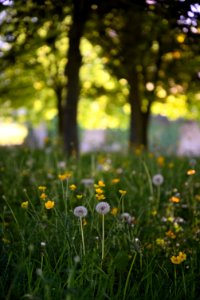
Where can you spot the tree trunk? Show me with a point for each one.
(139, 120)
(71, 140)
(59, 98)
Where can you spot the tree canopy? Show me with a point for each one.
(150, 49)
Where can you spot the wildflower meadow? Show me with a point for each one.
(105, 226)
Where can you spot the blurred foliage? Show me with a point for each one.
(33, 52)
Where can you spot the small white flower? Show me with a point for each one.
(80, 211)
(103, 208)
(43, 244)
(158, 179)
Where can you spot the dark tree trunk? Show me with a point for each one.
(80, 14)
(139, 120)
(59, 97)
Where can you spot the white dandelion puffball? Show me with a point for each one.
(80, 211)
(126, 217)
(87, 181)
(103, 208)
(158, 179)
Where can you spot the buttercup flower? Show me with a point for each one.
(100, 197)
(160, 242)
(99, 191)
(191, 172)
(114, 211)
(170, 234)
(174, 199)
(115, 180)
(122, 192)
(80, 211)
(43, 196)
(72, 187)
(49, 204)
(42, 188)
(179, 258)
(24, 204)
(161, 161)
(64, 176)
(157, 179)
(101, 183)
(103, 208)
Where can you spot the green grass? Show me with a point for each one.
(43, 255)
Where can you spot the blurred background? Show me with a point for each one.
(101, 76)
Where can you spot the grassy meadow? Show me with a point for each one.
(107, 226)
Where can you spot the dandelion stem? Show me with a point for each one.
(128, 276)
(82, 235)
(103, 237)
(158, 197)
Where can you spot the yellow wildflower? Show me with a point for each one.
(170, 219)
(79, 196)
(115, 180)
(174, 199)
(197, 197)
(122, 192)
(101, 183)
(182, 255)
(99, 191)
(160, 242)
(42, 188)
(138, 150)
(114, 211)
(49, 204)
(170, 234)
(24, 204)
(64, 176)
(171, 165)
(100, 197)
(154, 212)
(43, 196)
(191, 172)
(84, 222)
(161, 161)
(178, 259)
(72, 187)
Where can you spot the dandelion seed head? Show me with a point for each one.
(39, 272)
(126, 217)
(103, 208)
(77, 259)
(158, 179)
(31, 247)
(80, 211)
(62, 164)
(87, 182)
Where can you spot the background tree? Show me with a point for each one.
(139, 51)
